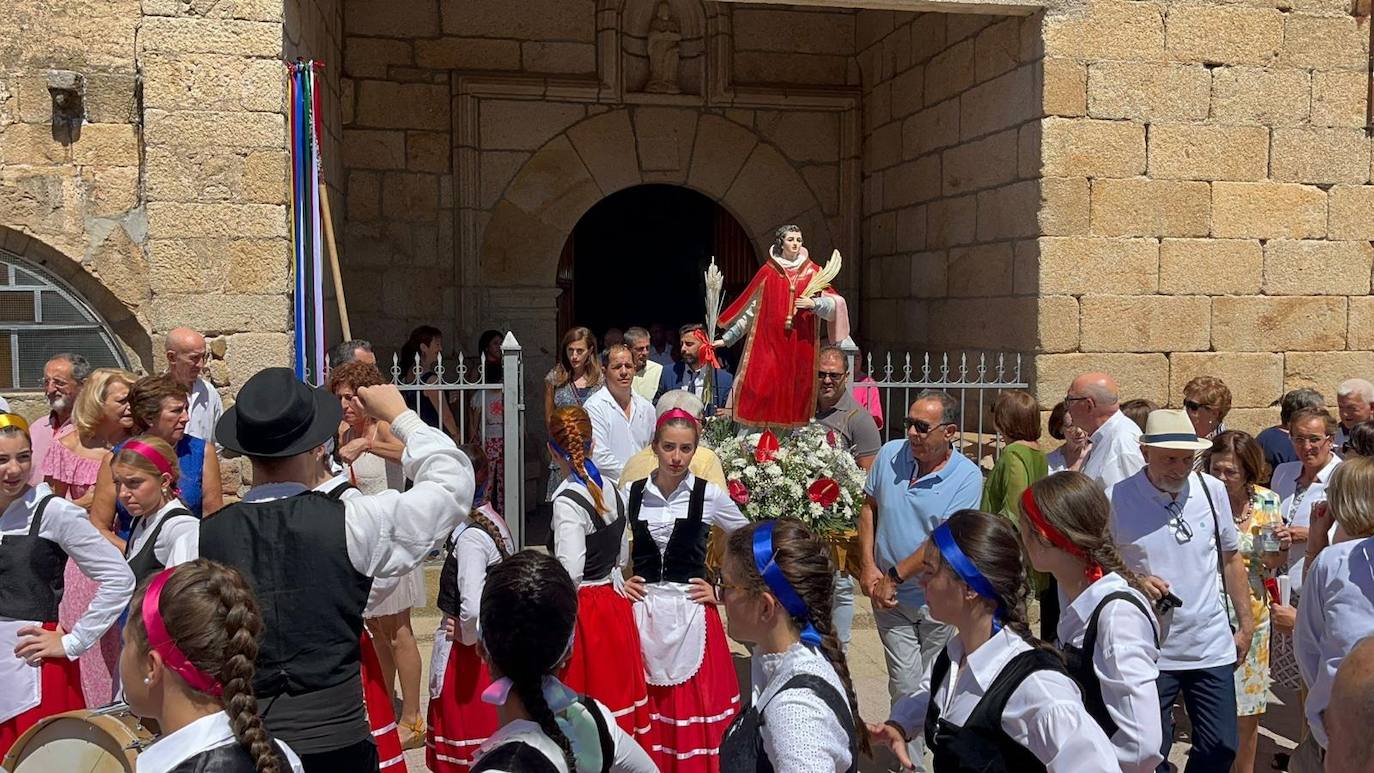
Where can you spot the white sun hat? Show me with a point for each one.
(1172, 429)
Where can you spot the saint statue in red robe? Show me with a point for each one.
(776, 383)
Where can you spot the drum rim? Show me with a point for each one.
(106, 718)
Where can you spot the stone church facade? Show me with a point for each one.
(1160, 189)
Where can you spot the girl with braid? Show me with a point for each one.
(189, 649)
(1106, 630)
(589, 537)
(996, 700)
(529, 608)
(777, 586)
(458, 719)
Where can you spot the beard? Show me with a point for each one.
(60, 403)
(1171, 486)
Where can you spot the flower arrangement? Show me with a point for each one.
(806, 475)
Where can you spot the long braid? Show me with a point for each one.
(480, 518)
(242, 625)
(571, 428)
(834, 653)
(531, 692)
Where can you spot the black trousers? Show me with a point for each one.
(360, 757)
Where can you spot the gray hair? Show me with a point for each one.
(680, 398)
(636, 335)
(347, 351)
(1296, 400)
(949, 407)
(1356, 387)
(81, 367)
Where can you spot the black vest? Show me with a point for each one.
(742, 748)
(229, 758)
(145, 563)
(450, 599)
(521, 757)
(31, 572)
(685, 557)
(981, 745)
(603, 544)
(340, 489)
(294, 554)
(1080, 662)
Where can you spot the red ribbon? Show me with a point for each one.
(151, 454)
(1093, 570)
(676, 413)
(707, 353)
(161, 642)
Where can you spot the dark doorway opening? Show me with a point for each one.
(638, 257)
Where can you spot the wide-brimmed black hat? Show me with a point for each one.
(276, 416)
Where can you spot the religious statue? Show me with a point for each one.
(665, 37)
(780, 311)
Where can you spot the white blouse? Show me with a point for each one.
(175, 529)
(801, 734)
(1045, 713)
(1124, 662)
(475, 553)
(572, 524)
(203, 735)
(629, 757)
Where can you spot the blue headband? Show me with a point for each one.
(967, 572)
(781, 588)
(592, 471)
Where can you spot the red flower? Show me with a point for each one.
(824, 492)
(830, 438)
(767, 449)
(738, 492)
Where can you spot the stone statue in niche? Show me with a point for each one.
(665, 39)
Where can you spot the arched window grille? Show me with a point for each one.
(39, 317)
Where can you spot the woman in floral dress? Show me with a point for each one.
(570, 383)
(1238, 461)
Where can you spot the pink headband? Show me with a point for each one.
(151, 454)
(160, 641)
(676, 413)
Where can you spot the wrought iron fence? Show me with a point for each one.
(477, 409)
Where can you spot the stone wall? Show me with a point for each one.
(950, 192)
(1206, 199)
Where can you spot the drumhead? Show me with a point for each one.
(104, 740)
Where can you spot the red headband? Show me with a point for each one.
(160, 641)
(151, 454)
(707, 352)
(1093, 571)
(676, 413)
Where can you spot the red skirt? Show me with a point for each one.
(61, 680)
(458, 719)
(689, 719)
(607, 662)
(381, 717)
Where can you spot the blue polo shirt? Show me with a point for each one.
(908, 512)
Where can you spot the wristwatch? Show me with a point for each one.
(893, 576)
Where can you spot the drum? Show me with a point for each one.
(103, 740)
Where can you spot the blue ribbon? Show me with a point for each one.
(1171, 437)
(967, 572)
(781, 588)
(592, 471)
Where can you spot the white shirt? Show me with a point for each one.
(1335, 614)
(68, 525)
(1296, 508)
(203, 409)
(1045, 713)
(335, 482)
(629, 757)
(801, 734)
(1115, 453)
(615, 436)
(1199, 635)
(389, 534)
(207, 733)
(571, 525)
(175, 530)
(475, 552)
(1124, 662)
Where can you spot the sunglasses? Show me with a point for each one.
(825, 375)
(921, 427)
(1183, 531)
(1193, 406)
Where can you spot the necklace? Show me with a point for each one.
(1244, 513)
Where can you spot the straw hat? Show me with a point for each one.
(1171, 429)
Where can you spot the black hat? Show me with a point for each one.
(276, 416)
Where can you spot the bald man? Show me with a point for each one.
(1350, 713)
(186, 360)
(1094, 402)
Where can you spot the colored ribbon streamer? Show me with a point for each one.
(592, 471)
(778, 584)
(707, 353)
(307, 243)
(1093, 570)
(676, 413)
(161, 642)
(962, 566)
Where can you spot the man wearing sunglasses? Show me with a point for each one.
(914, 485)
(1174, 529)
(1095, 404)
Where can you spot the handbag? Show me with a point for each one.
(1221, 569)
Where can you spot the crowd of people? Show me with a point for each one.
(1176, 564)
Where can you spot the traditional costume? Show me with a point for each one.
(598, 743)
(776, 382)
(38, 532)
(693, 692)
(208, 744)
(151, 539)
(458, 719)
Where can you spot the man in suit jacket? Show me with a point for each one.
(691, 371)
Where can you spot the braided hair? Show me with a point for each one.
(805, 562)
(529, 608)
(991, 543)
(1074, 504)
(571, 429)
(480, 463)
(211, 614)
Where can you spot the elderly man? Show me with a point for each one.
(1276, 442)
(915, 483)
(647, 372)
(186, 358)
(1350, 713)
(1169, 524)
(622, 421)
(1094, 402)
(690, 372)
(63, 376)
(1355, 401)
(357, 349)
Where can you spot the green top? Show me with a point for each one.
(1016, 469)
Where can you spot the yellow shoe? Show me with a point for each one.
(416, 734)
